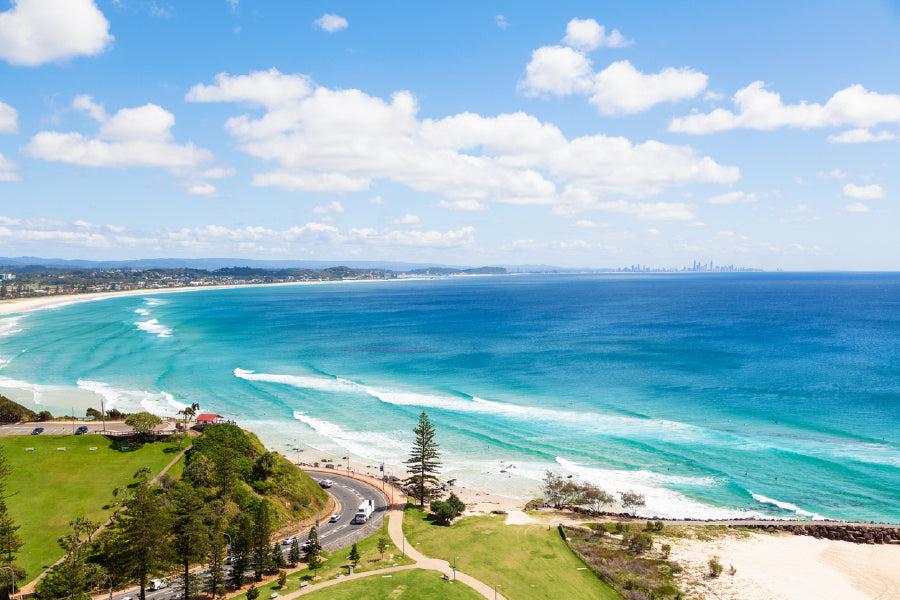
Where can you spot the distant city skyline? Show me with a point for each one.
(569, 134)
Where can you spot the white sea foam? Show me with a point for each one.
(142, 311)
(787, 506)
(154, 326)
(375, 446)
(162, 404)
(11, 325)
(325, 384)
(661, 502)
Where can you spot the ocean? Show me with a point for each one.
(715, 395)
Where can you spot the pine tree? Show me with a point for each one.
(191, 518)
(276, 557)
(354, 555)
(143, 530)
(423, 464)
(294, 553)
(10, 542)
(313, 551)
(262, 533)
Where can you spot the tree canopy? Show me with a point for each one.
(423, 463)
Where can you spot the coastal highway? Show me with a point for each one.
(332, 536)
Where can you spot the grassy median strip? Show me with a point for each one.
(528, 561)
(51, 487)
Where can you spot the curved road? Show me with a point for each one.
(332, 536)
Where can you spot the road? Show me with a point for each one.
(64, 427)
(332, 536)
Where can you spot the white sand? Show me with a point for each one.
(789, 567)
(517, 517)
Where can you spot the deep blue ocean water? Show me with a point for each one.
(714, 394)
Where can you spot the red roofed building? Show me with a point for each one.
(209, 419)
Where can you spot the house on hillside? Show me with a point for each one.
(209, 419)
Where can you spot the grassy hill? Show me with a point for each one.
(49, 488)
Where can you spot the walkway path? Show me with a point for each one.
(395, 531)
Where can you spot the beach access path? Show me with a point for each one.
(395, 532)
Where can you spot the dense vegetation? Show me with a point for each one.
(12, 412)
(232, 492)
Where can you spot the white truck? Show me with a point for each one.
(364, 511)
(158, 584)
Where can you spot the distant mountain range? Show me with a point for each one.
(20, 263)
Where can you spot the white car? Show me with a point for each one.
(287, 541)
(326, 483)
(334, 518)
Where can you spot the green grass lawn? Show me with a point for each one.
(528, 561)
(336, 564)
(416, 583)
(49, 488)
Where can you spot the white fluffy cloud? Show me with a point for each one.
(331, 23)
(345, 140)
(263, 88)
(406, 219)
(863, 192)
(132, 137)
(857, 207)
(620, 88)
(736, 197)
(9, 119)
(51, 233)
(333, 207)
(860, 136)
(758, 108)
(501, 21)
(587, 34)
(8, 170)
(34, 32)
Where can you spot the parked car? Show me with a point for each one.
(335, 518)
(81, 430)
(37, 431)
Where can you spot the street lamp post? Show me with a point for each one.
(110, 584)
(13, 574)
(495, 590)
(454, 567)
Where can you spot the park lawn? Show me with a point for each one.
(529, 562)
(49, 488)
(412, 584)
(336, 564)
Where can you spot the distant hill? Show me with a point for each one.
(31, 264)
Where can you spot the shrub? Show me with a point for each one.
(443, 512)
(658, 526)
(715, 567)
(621, 528)
(252, 592)
(639, 543)
(731, 570)
(666, 549)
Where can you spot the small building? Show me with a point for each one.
(209, 419)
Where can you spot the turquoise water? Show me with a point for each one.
(713, 394)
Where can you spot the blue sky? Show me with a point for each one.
(579, 134)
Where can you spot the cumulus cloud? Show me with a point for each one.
(587, 34)
(620, 88)
(132, 137)
(736, 197)
(9, 119)
(406, 219)
(202, 189)
(759, 108)
(832, 174)
(8, 170)
(501, 21)
(861, 136)
(331, 23)
(333, 207)
(34, 32)
(217, 238)
(857, 207)
(330, 140)
(863, 192)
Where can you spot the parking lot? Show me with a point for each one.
(64, 428)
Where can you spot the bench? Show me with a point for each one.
(60, 449)
(29, 449)
(92, 448)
